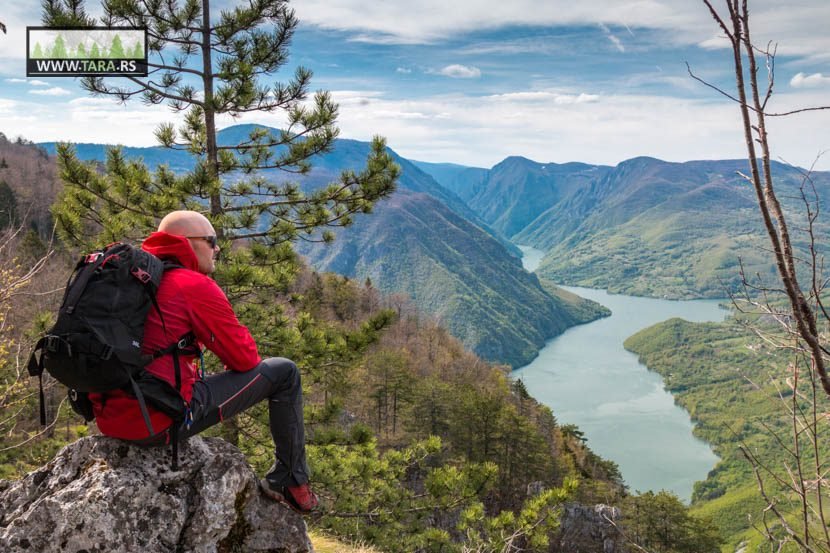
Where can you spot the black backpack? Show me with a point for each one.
(95, 345)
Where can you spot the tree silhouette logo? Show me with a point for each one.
(87, 51)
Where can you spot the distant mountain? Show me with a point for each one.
(351, 154)
(514, 193)
(414, 244)
(518, 190)
(678, 229)
(646, 226)
(464, 181)
(153, 156)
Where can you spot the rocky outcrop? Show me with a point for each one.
(102, 495)
(590, 529)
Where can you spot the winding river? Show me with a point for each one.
(588, 379)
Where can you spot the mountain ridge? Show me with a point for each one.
(645, 226)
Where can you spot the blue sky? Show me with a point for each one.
(472, 82)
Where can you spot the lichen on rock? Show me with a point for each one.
(103, 495)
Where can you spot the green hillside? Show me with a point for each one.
(676, 230)
(736, 389)
(519, 190)
(415, 245)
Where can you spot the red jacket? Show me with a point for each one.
(189, 302)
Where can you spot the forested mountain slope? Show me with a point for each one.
(738, 389)
(646, 226)
(415, 245)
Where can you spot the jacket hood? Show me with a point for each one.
(166, 246)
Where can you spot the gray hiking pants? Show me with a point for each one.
(221, 396)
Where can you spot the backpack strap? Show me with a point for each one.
(35, 365)
(150, 288)
(42, 399)
(181, 346)
(185, 345)
(142, 404)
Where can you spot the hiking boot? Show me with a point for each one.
(299, 498)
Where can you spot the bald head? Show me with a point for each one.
(186, 223)
(199, 233)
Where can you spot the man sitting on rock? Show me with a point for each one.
(190, 301)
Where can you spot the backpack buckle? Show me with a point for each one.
(183, 343)
(52, 343)
(141, 274)
(92, 258)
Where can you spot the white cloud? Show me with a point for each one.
(458, 71)
(582, 98)
(355, 97)
(32, 82)
(403, 70)
(404, 114)
(99, 120)
(86, 101)
(383, 39)
(798, 26)
(561, 126)
(524, 96)
(427, 20)
(546, 96)
(7, 106)
(809, 81)
(54, 91)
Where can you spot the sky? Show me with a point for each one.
(474, 81)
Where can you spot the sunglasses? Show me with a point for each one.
(211, 240)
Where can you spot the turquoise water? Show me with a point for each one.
(588, 379)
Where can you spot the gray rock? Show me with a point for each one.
(590, 529)
(103, 495)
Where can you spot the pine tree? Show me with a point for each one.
(38, 53)
(81, 51)
(94, 52)
(65, 13)
(138, 51)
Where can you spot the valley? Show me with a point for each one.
(646, 230)
(588, 379)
